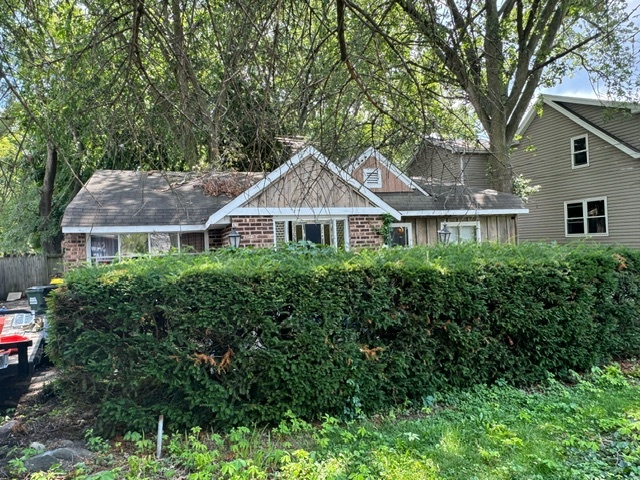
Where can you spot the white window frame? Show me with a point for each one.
(92, 259)
(585, 218)
(465, 224)
(319, 219)
(573, 151)
(368, 181)
(409, 228)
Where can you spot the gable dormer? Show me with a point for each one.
(379, 175)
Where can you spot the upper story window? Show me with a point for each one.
(580, 151)
(372, 177)
(586, 217)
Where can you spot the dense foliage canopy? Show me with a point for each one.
(183, 84)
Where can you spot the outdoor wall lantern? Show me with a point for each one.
(234, 238)
(444, 234)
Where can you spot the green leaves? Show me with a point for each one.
(254, 336)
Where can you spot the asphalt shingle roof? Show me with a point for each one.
(118, 198)
(452, 197)
(125, 198)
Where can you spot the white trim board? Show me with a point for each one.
(137, 229)
(229, 208)
(463, 213)
(631, 106)
(551, 99)
(596, 131)
(311, 212)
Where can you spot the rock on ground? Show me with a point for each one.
(66, 456)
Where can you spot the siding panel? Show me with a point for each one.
(309, 184)
(621, 123)
(439, 165)
(544, 156)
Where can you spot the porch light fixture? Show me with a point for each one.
(444, 234)
(234, 238)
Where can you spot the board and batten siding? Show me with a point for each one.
(309, 184)
(390, 182)
(444, 166)
(544, 156)
(493, 228)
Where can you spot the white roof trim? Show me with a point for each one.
(136, 229)
(596, 131)
(314, 212)
(631, 106)
(372, 152)
(229, 208)
(551, 99)
(465, 213)
(526, 123)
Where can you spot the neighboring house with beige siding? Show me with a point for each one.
(585, 155)
(133, 213)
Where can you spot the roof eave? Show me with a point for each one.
(464, 212)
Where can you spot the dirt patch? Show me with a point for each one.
(35, 414)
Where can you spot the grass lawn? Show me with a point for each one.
(589, 430)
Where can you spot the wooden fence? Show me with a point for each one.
(19, 273)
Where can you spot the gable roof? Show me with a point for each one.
(118, 201)
(282, 170)
(372, 152)
(562, 104)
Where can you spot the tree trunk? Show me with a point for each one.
(188, 120)
(500, 164)
(49, 243)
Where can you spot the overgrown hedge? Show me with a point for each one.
(242, 336)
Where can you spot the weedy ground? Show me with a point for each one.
(588, 428)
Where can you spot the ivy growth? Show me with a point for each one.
(385, 230)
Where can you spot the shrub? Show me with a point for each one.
(238, 337)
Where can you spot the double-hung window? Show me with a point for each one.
(580, 151)
(586, 217)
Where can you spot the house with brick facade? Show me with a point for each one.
(131, 213)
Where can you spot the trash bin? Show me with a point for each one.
(36, 297)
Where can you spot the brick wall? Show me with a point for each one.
(363, 231)
(74, 247)
(219, 237)
(254, 231)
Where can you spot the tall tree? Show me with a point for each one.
(497, 52)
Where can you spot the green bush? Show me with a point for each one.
(239, 337)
